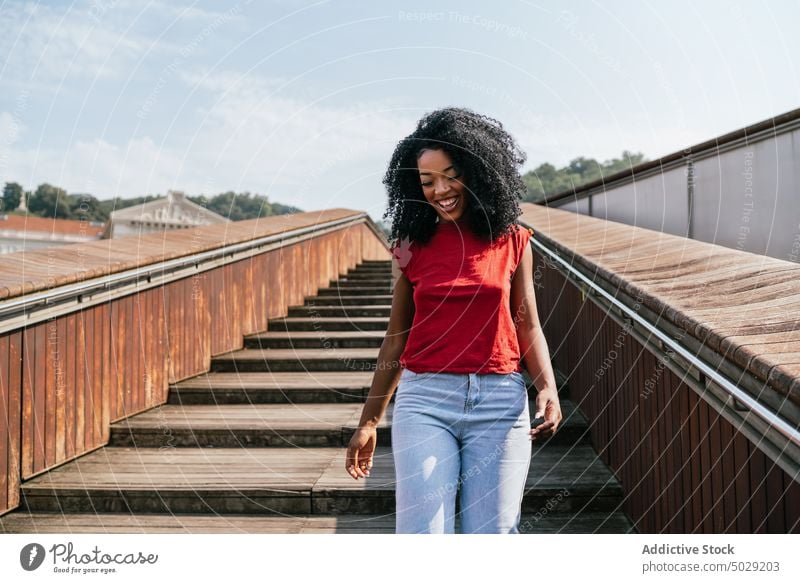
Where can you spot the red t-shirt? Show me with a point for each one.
(462, 284)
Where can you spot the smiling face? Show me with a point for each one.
(442, 184)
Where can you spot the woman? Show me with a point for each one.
(461, 421)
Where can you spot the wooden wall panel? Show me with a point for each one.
(7, 435)
(684, 468)
(65, 380)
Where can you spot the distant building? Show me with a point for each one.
(25, 233)
(173, 212)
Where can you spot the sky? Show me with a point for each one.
(305, 101)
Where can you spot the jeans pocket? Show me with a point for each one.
(517, 376)
(410, 377)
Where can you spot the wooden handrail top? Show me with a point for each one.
(26, 272)
(746, 307)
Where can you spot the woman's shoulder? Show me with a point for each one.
(402, 251)
(520, 237)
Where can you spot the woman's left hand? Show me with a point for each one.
(549, 407)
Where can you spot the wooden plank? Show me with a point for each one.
(81, 380)
(79, 261)
(775, 499)
(792, 489)
(728, 462)
(69, 388)
(653, 508)
(91, 377)
(697, 470)
(706, 466)
(180, 327)
(40, 396)
(128, 353)
(717, 485)
(660, 447)
(758, 496)
(106, 369)
(137, 354)
(170, 331)
(639, 492)
(163, 356)
(48, 415)
(59, 349)
(5, 430)
(151, 395)
(14, 417)
(27, 439)
(741, 454)
(670, 461)
(287, 380)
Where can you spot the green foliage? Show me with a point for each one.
(243, 206)
(51, 201)
(12, 195)
(547, 181)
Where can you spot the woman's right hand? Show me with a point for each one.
(358, 460)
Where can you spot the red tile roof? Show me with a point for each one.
(35, 224)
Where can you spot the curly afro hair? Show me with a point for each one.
(482, 150)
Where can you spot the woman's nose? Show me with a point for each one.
(440, 186)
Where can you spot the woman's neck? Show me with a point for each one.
(460, 221)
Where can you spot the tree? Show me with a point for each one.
(87, 208)
(546, 181)
(50, 201)
(12, 195)
(242, 206)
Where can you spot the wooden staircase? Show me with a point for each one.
(258, 443)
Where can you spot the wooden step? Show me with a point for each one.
(275, 387)
(354, 290)
(374, 271)
(300, 359)
(285, 480)
(270, 425)
(571, 475)
(332, 324)
(371, 276)
(362, 311)
(57, 523)
(179, 480)
(278, 425)
(358, 339)
(341, 300)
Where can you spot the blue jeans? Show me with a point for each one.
(465, 433)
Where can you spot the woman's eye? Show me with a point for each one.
(451, 178)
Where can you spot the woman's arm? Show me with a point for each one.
(387, 374)
(360, 450)
(533, 346)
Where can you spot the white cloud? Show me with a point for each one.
(246, 138)
(98, 167)
(560, 139)
(271, 137)
(38, 40)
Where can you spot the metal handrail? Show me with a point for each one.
(131, 275)
(786, 429)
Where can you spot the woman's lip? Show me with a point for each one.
(455, 204)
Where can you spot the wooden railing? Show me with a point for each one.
(684, 359)
(95, 332)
